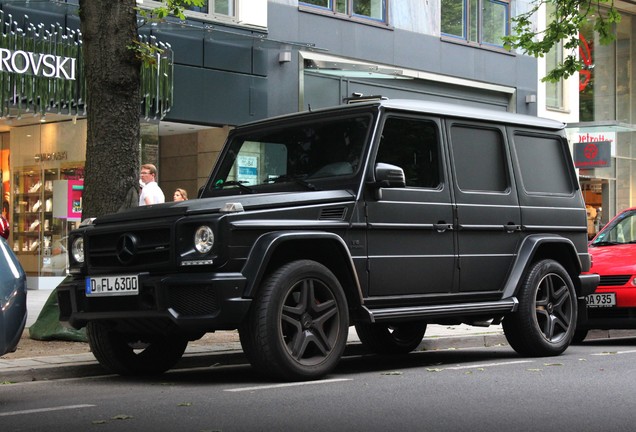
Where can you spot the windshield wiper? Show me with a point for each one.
(241, 186)
(292, 179)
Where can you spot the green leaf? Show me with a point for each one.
(567, 21)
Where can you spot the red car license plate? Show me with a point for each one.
(601, 300)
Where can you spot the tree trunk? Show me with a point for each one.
(113, 104)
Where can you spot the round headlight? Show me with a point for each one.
(203, 239)
(77, 249)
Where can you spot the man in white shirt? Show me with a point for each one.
(151, 193)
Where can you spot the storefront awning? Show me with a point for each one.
(600, 126)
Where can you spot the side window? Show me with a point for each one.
(479, 21)
(413, 145)
(368, 9)
(480, 159)
(543, 164)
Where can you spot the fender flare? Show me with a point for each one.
(266, 245)
(527, 252)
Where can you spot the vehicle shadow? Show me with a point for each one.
(235, 370)
(627, 341)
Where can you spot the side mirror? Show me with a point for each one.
(387, 175)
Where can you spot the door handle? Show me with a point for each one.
(511, 227)
(442, 226)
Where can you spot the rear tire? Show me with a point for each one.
(298, 324)
(545, 320)
(129, 354)
(399, 338)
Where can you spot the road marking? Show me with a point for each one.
(296, 384)
(41, 410)
(487, 365)
(613, 353)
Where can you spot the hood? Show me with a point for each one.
(215, 204)
(613, 260)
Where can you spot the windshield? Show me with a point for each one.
(621, 230)
(301, 156)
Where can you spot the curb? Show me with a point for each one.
(84, 365)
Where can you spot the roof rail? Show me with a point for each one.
(359, 97)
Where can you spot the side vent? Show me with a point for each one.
(336, 213)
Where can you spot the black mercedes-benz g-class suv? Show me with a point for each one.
(385, 215)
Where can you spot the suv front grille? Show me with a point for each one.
(141, 247)
(193, 301)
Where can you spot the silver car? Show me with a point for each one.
(13, 299)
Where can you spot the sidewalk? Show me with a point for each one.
(226, 344)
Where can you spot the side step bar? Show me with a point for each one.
(440, 311)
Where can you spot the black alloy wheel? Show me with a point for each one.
(298, 325)
(128, 354)
(545, 320)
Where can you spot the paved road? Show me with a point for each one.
(589, 388)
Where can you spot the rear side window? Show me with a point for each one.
(479, 157)
(543, 164)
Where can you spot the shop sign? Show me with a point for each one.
(45, 65)
(55, 156)
(67, 199)
(595, 154)
(41, 70)
(588, 137)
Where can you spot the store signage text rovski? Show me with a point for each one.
(46, 65)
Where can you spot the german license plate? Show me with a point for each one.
(601, 300)
(104, 286)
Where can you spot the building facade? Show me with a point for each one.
(242, 60)
(599, 107)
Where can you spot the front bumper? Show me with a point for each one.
(588, 283)
(622, 316)
(166, 304)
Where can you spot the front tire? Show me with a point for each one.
(401, 338)
(298, 325)
(127, 354)
(545, 321)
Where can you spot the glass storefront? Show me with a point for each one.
(607, 113)
(45, 195)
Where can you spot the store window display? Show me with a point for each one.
(47, 172)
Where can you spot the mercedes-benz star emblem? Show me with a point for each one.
(126, 248)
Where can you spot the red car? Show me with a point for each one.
(613, 250)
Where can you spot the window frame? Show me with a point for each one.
(556, 88)
(457, 157)
(331, 10)
(437, 144)
(552, 58)
(467, 19)
(151, 4)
